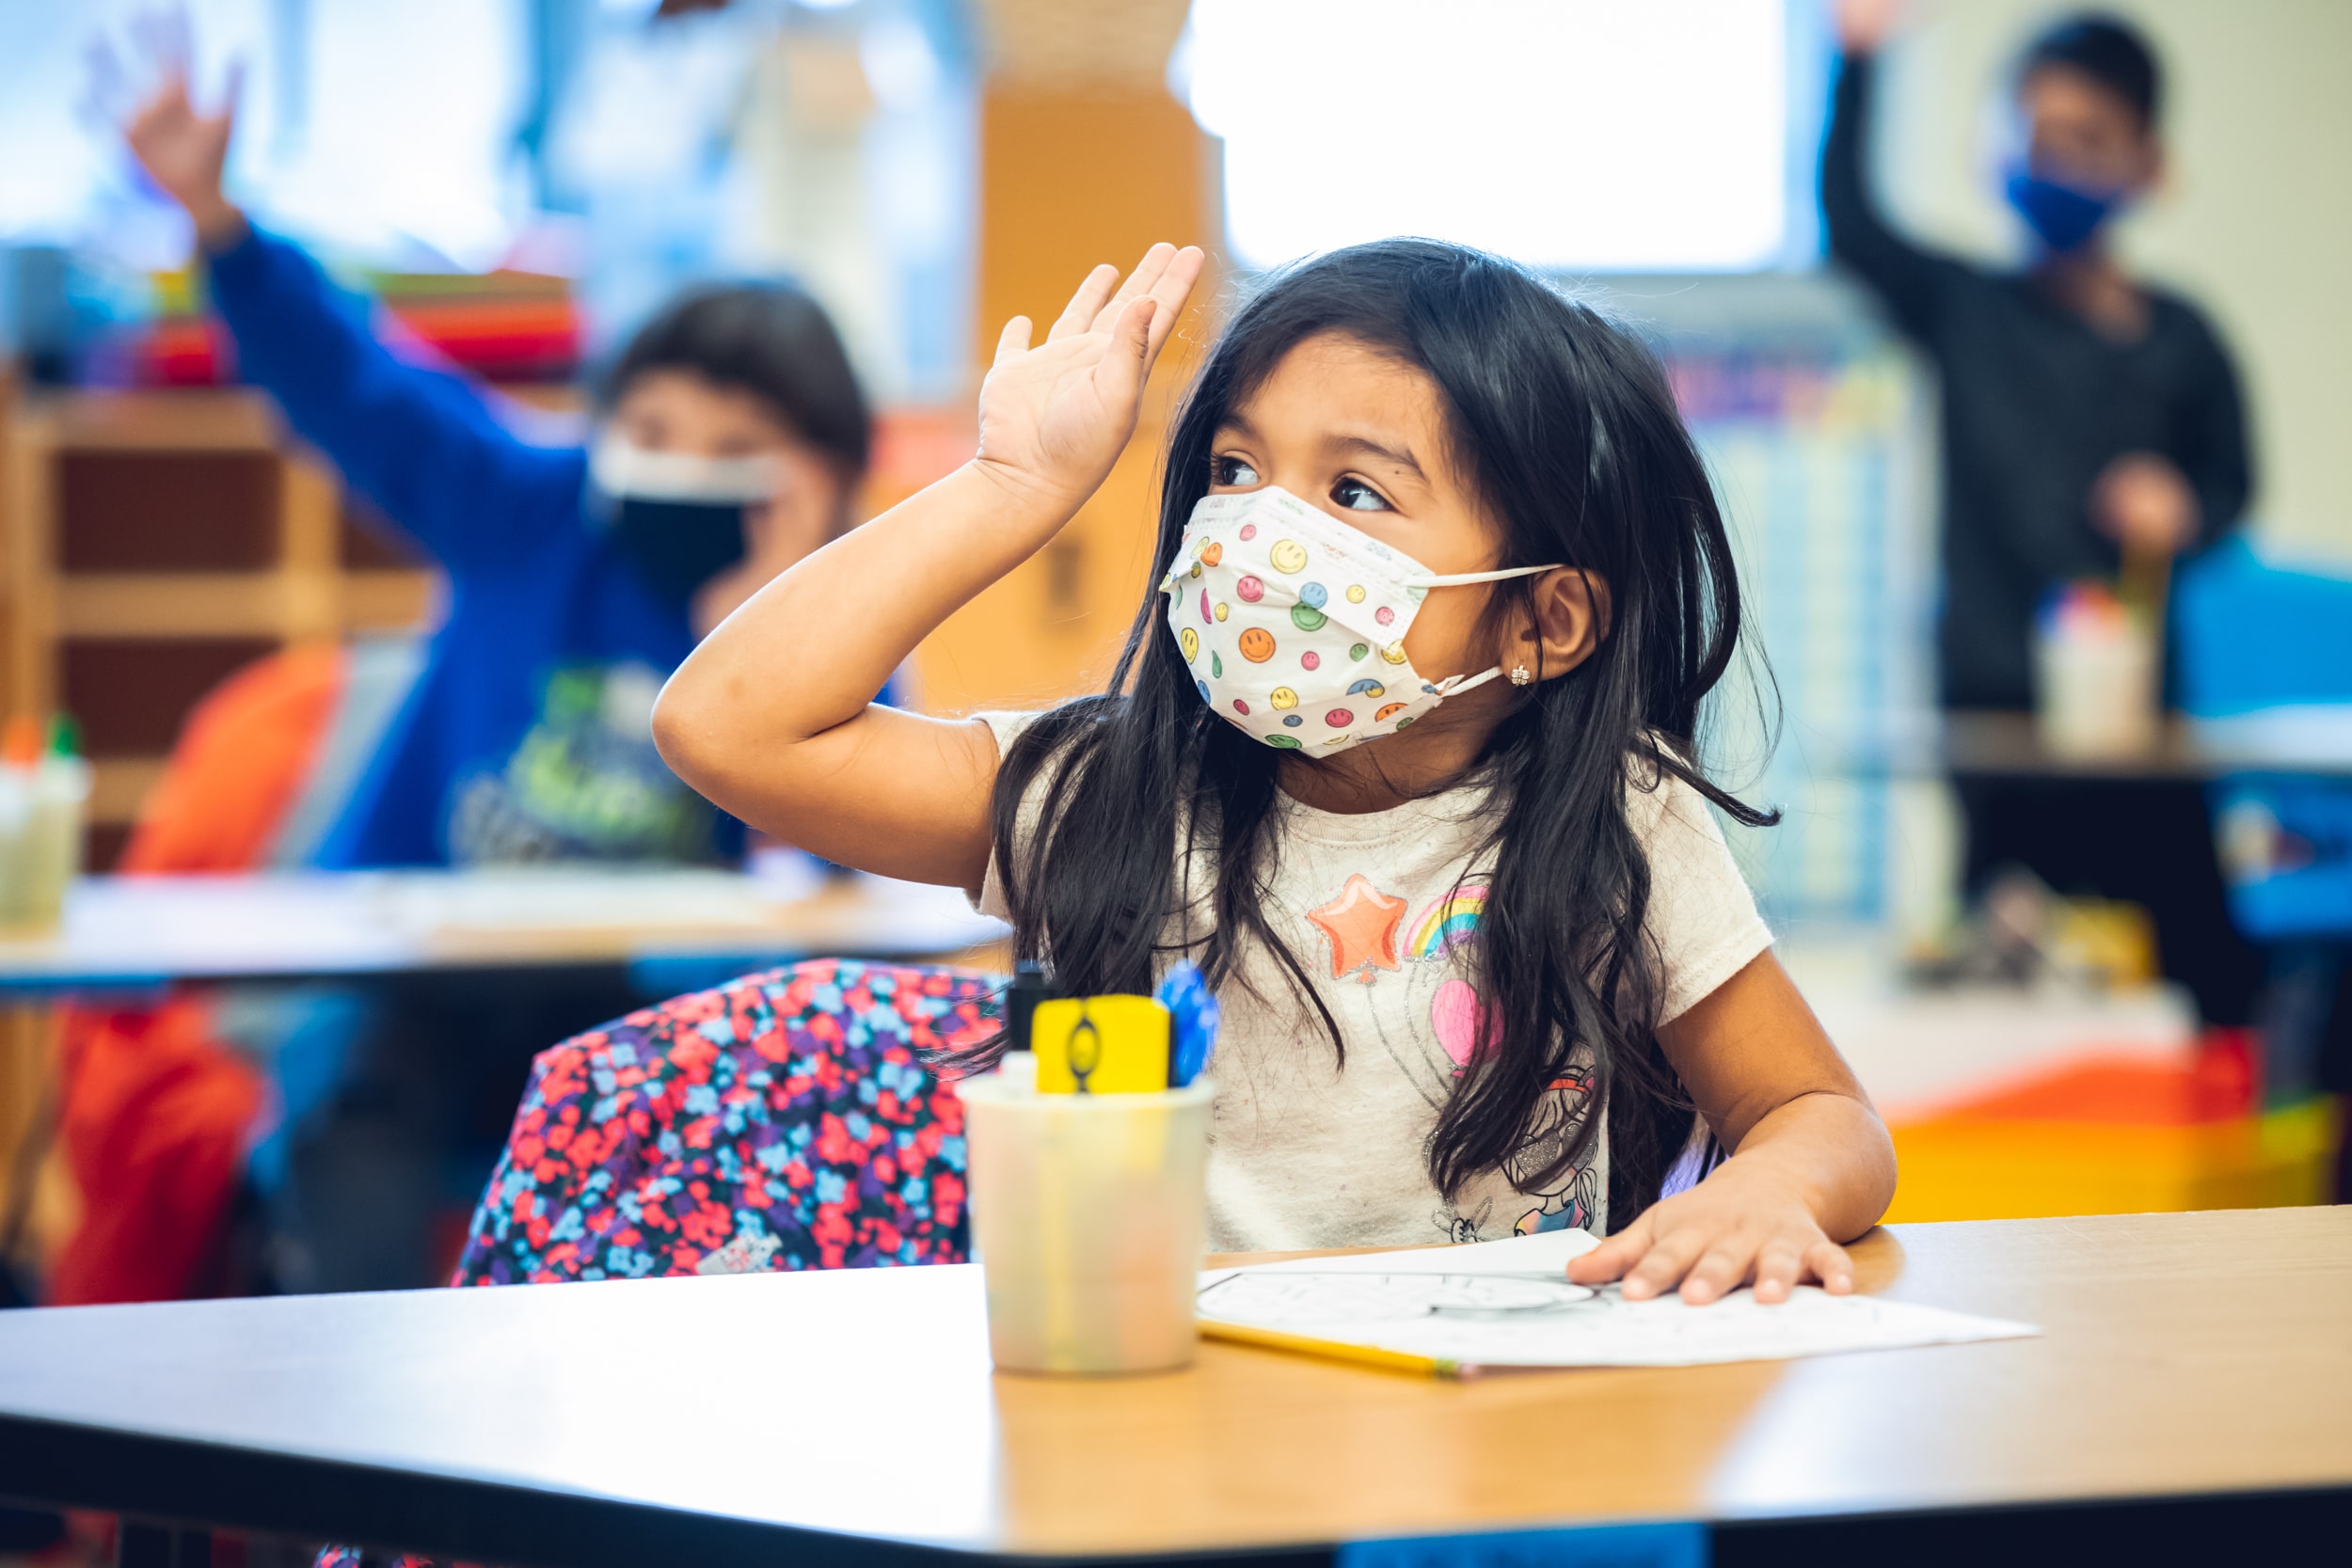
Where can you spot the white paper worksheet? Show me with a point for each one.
(1509, 1303)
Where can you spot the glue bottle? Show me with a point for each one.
(43, 791)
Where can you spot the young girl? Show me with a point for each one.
(1400, 752)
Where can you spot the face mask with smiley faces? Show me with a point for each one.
(1293, 623)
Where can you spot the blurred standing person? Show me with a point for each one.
(2085, 413)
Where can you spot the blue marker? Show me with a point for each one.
(1192, 1023)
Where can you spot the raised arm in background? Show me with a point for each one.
(1907, 277)
(769, 719)
(415, 438)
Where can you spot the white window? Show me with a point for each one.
(382, 129)
(1605, 135)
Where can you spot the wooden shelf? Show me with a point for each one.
(239, 604)
(152, 541)
(119, 785)
(212, 422)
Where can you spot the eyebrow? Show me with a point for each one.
(1337, 442)
(1371, 448)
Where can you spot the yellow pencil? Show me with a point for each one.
(1339, 1350)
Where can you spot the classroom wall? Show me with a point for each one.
(2256, 222)
(1083, 158)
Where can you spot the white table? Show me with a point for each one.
(123, 932)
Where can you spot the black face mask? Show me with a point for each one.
(677, 519)
(677, 546)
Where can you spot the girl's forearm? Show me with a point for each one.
(809, 650)
(1834, 1151)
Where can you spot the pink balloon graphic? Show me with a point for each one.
(1249, 590)
(1454, 1014)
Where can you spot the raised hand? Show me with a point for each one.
(183, 150)
(1055, 417)
(2144, 503)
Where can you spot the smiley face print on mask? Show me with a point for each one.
(1316, 627)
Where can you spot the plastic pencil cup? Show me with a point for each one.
(1087, 1210)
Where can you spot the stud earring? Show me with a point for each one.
(1520, 675)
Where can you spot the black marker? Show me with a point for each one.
(1027, 990)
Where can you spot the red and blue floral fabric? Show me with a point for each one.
(784, 1120)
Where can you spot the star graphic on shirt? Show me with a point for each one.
(1362, 922)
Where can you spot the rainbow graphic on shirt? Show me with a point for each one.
(1447, 923)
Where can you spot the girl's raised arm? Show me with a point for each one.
(769, 717)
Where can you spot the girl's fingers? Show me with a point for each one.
(1135, 328)
(1139, 282)
(1829, 1264)
(1086, 304)
(1173, 288)
(1663, 1266)
(1125, 366)
(1717, 1273)
(1778, 1267)
(1614, 1255)
(177, 38)
(110, 96)
(153, 31)
(1013, 341)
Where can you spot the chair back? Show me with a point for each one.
(784, 1120)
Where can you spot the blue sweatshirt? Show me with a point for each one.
(537, 595)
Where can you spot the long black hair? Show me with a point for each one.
(1564, 426)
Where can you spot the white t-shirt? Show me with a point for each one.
(1311, 1153)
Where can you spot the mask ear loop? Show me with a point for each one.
(1460, 579)
(1454, 686)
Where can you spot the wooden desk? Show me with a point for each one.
(2305, 741)
(126, 931)
(2315, 742)
(854, 1416)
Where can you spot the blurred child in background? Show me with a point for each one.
(732, 435)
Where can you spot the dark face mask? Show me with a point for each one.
(677, 546)
(2062, 215)
(677, 519)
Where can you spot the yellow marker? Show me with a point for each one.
(1100, 1045)
(1337, 1350)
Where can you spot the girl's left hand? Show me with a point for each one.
(1732, 1229)
(1055, 418)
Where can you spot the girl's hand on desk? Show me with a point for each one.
(1055, 418)
(1732, 1229)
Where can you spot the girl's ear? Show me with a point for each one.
(1571, 610)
